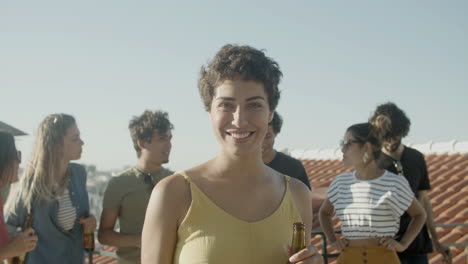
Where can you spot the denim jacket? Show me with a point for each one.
(55, 245)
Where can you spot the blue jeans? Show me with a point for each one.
(415, 259)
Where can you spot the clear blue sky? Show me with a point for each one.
(106, 61)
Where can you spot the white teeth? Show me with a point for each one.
(243, 135)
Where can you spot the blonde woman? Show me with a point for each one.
(10, 159)
(53, 190)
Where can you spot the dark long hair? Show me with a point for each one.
(8, 154)
(371, 132)
(399, 122)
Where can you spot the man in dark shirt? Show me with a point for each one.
(277, 160)
(410, 163)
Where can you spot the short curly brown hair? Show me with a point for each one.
(240, 62)
(142, 127)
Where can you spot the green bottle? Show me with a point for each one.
(298, 238)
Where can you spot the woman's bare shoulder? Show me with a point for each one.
(302, 199)
(171, 194)
(298, 188)
(172, 186)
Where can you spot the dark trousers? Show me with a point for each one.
(415, 259)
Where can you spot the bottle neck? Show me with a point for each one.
(298, 240)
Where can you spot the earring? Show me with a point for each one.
(365, 157)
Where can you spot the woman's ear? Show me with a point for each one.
(270, 117)
(367, 147)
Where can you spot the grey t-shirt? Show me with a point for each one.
(129, 194)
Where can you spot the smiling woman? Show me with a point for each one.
(240, 115)
(232, 208)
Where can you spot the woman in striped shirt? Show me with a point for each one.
(369, 202)
(53, 191)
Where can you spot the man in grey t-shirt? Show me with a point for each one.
(127, 195)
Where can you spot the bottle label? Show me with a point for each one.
(88, 241)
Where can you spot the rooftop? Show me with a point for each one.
(448, 171)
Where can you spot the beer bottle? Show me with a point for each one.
(88, 242)
(88, 239)
(27, 224)
(298, 238)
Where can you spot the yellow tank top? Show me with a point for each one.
(208, 234)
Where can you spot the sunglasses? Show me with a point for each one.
(345, 143)
(398, 167)
(149, 180)
(18, 156)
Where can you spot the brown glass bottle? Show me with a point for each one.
(298, 238)
(88, 242)
(27, 224)
(88, 239)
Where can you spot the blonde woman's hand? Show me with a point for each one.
(24, 242)
(340, 244)
(392, 244)
(308, 255)
(88, 222)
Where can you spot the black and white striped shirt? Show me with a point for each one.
(66, 211)
(370, 208)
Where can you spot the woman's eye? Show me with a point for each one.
(226, 105)
(255, 105)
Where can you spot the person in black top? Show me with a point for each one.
(277, 160)
(410, 163)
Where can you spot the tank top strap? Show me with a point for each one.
(197, 195)
(203, 204)
(288, 202)
(184, 174)
(287, 198)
